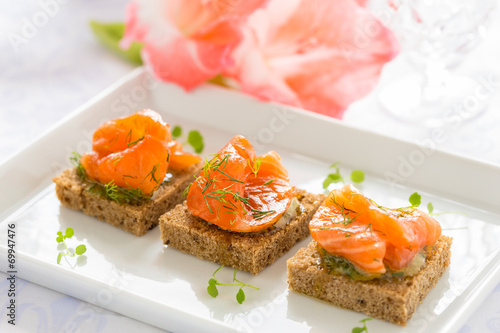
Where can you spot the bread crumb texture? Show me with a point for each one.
(392, 300)
(247, 252)
(136, 219)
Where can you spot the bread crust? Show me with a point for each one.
(392, 300)
(247, 252)
(136, 219)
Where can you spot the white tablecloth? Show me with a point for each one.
(59, 65)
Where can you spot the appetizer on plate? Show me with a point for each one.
(135, 173)
(369, 258)
(240, 211)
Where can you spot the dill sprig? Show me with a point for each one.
(260, 214)
(269, 181)
(227, 197)
(254, 165)
(75, 159)
(135, 142)
(133, 196)
(129, 195)
(344, 212)
(152, 176)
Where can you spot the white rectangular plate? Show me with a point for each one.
(142, 279)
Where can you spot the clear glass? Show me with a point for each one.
(435, 35)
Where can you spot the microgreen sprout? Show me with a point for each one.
(357, 176)
(415, 199)
(195, 139)
(333, 177)
(361, 329)
(430, 208)
(214, 292)
(79, 250)
(176, 132)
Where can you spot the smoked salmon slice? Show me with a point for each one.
(135, 152)
(371, 237)
(240, 191)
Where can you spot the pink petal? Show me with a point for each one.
(185, 62)
(362, 2)
(192, 15)
(323, 56)
(187, 42)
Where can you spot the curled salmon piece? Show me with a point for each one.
(179, 159)
(240, 191)
(371, 237)
(135, 152)
(119, 134)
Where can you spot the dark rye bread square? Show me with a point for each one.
(392, 300)
(136, 219)
(247, 252)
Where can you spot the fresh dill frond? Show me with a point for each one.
(254, 165)
(75, 159)
(132, 196)
(135, 142)
(260, 214)
(269, 181)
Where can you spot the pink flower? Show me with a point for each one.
(320, 55)
(187, 41)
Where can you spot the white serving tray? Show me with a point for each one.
(140, 278)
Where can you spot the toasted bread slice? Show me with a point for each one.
(247, 252)
(392, 300)
(136, 219)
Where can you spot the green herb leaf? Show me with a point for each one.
(80, 249)
(186, 190)
(269, 182)
(415, 199)
(176, 132)
(332, 178)
(430, 207)
(240, 296)
(361, 329)
(195, 139)
(75, 159)
(357, 176)
(213, 283)
(133, 196)
(110, 35)
(132, 144)
(212, 290)
(69, 233)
